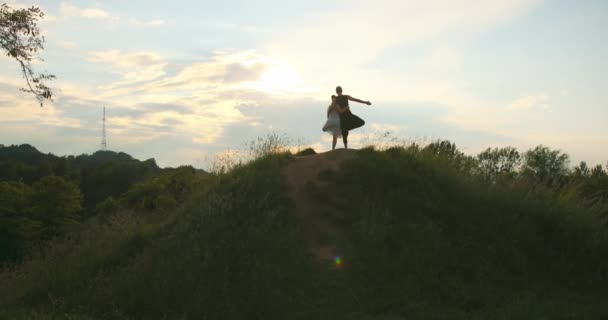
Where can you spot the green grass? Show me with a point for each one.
(233, 251)
(423, 241)
(428, 242)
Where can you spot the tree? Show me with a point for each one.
(21, 39)
(498, 162)
(581, 171)
(162, 192)
(56, 203)
(17, 229)
(546, 166)
(444, 150)
(591, 184)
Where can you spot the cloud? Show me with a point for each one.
(222, 69)
(364, 29)
(156, 98)
(224, 77)
(117, 58)
(213, 102)
(410, 58)
(529, 102)
(446, 59)
(70, 10)
(359, 47)
(134, 67)
(18, 107)
(147, 23)
(242, 28)
(68, 45)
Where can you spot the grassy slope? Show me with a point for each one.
(428, 243)
(423, 243)
(229, 253)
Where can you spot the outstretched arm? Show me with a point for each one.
(359, 100)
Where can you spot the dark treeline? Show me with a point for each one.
(540, 168)
(43, 196)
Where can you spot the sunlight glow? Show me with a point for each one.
(278, 79)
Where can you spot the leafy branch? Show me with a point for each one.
(22, 40)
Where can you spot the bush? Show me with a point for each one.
(306, 152)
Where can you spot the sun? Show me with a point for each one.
(279, 79)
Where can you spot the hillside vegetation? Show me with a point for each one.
(43, 196)
(418, 233)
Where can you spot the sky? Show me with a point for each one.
(184, 81)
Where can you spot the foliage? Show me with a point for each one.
(42, 194)
(444, 152)
(231, 251)
(56, 203)
(590, 184)
(272, 143)
(112, 179)
(21, 39)
(100, 175)
(545, 166)
(32, 215)
(427, 242)
(17, 228)
(164, 192)
(426, 233)
(498, 162)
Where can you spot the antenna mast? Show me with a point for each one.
(104, 143)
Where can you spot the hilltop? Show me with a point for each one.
(417, 237)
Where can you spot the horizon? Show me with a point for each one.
(185, 81)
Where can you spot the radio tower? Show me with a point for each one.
(104, 142)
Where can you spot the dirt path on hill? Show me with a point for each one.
(322, 236)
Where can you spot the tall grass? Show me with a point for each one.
(423, 240)
(429, 242)
(233, 251)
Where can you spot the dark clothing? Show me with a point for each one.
(342, 101)
(348, 121)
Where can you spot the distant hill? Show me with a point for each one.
(100, 175)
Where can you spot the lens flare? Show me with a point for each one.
(338, 261)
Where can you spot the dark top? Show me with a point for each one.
(342, 101)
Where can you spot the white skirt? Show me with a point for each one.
(332, 125)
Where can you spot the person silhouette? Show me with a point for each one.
(348, 121)
(332, 125)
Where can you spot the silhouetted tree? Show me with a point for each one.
(21, 39)
(444, 150)
(498, 162)
(590, 183)
(113, 178)
(545, 166)
(165, 191)
(581, 171)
